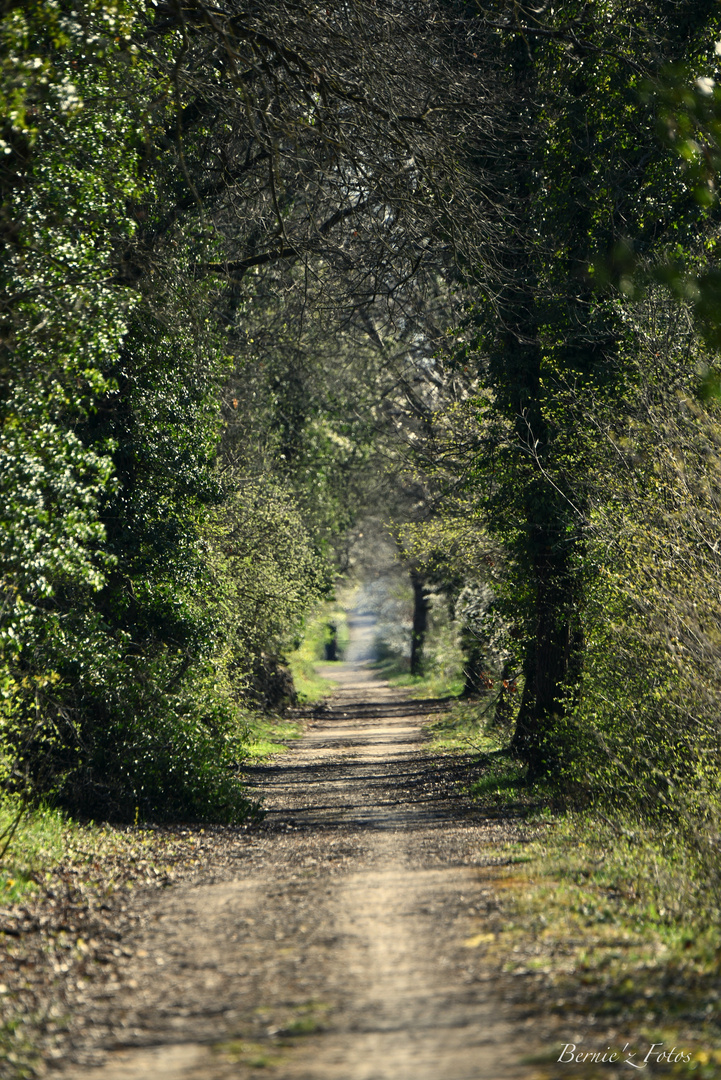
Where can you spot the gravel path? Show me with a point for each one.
(341, 940)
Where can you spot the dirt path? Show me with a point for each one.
(348, 944)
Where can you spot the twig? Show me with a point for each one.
(10, 831)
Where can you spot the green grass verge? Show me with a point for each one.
(268, 735)
(395, 670)
(39, 842)
(463, 729)
(47, 839)
(310, 686)
(607, 921)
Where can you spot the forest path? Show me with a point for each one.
(340, 948)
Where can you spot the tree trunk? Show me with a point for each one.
(331, 641)
(553, 665)
(420, 623)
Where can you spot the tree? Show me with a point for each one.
(588, 179)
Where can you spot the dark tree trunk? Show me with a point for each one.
(420, 623)
(552, 542)
(552, 666)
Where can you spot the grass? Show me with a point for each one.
(589, 918)
(606, 921)
(253, 1055)
(464, 729)
(434, 685)
(39, 842)
(268, 735)
(310, 686)
(103, 856)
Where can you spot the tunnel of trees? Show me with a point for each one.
(268, 267)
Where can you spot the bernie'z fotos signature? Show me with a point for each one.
(571, 1054)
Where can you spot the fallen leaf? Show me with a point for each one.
(478, 939)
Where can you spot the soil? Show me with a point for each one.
(343, 938)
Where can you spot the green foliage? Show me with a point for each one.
(141, 589)
(644, 728)
(688, 103)
(271, 571)
(64, 195)
(109, 646)
(611, 919)
(303, 404)
(468, 645)
(149, 591)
